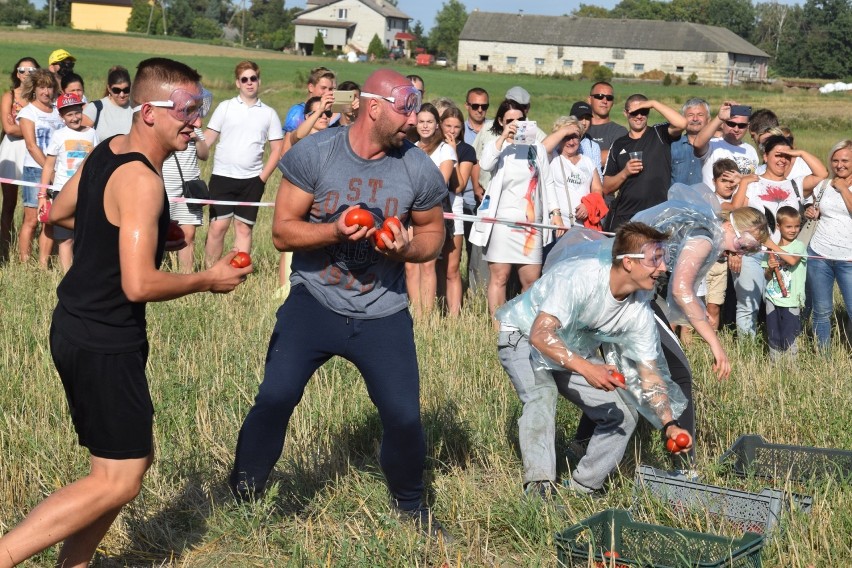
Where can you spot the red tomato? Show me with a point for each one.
(672, 446)
(392, 221)
(175, 233)
(241, 260)
(380, 244)
(682, 440)
(360, 217)
(611, 554)
(618, 377)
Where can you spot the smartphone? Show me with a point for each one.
(740, 110)
(342, 100)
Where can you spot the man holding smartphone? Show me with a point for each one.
(733, 119)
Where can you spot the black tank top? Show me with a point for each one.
(93, 311)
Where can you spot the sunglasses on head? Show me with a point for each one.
(740, 125)
(651, 255)
(327, 113)
(120, 91)
(252, 79)
(404, 98)
(26, 70)
(476, 106)
(602, 97)
(640, 112)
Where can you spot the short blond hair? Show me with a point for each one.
(564, 121)
(751, 220)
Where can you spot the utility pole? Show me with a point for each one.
(163, 4)
(243, 33)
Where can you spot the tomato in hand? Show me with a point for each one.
(175, 233)
(360, 217)
(241, 260)
(618, 377)
(672, 446)
(380, 243)
(392, 221)
(682, 440)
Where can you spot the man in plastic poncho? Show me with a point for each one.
(597, 297)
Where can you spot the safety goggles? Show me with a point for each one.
(652, 254)
(183, 105)
(744, 242)
(404, 98)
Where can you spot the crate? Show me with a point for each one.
(752, 455)
(752, 512)
(651, 546)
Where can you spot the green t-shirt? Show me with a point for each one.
(793, 277)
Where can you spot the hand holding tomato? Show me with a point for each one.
(241, 260)
(396, 234)
(354, 224)
(175, 238)
(678, 440)
(603, 377)
(224, 275)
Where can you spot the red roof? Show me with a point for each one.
(404, 36)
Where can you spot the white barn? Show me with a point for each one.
(524, 43)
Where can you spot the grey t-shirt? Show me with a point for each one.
(352, 279)
(113, 119)
(606, 134)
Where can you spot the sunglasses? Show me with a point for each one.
(651, 255)
(26, 70)
(404, 98)
(475, 106)
(252, 79)
(640, 112)
(509, 121)
(118, 91)
(327, 113)
(572, 137)
(740, 125)
(603, 97)
(183, 105)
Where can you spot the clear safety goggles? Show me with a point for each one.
(184, 106)
(744, 242)
(404, 98)
(652, 254)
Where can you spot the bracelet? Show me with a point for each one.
(41, 195)
(670, 423)
(555, 212)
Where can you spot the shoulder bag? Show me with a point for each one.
(194, 188)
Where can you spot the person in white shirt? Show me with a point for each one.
(574, 174)
(730, 145)
(243, 126)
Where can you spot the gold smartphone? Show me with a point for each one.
(342, 100)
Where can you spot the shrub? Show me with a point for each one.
(319, 45)
(692, 79)
(667, 80)
(602, 73)
(376, 48)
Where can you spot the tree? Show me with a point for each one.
(825, 49)
(142, 14)
(640, 10)
(449, 21)
(13, 12)
(590, 11)
(319, 45)
(204, 28)
(420, 38)
(376, 49)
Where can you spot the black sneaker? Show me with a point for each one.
(427, 523)
(544, 489)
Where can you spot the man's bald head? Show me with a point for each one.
(157, 77)
(383, 81)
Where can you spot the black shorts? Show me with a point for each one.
(108, 398)
(231, 189)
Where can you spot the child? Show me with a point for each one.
(68, 147)
(726, 179)
(783, 311)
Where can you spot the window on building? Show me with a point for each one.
(342, 13)
(610, 64)
(567, 63)
(539, 60)
(511, 60)
(483, 58)
(679, 69)
(638, 67)
(323, 32)
(618, 54)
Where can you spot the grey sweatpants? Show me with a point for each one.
(614, 420)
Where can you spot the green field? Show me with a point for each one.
(329, 505)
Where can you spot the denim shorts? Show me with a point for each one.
(29, 195)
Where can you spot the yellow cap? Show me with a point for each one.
(59, 55)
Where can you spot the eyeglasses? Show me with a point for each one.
(252, 79)
(476, 106)
(653, 254)
(743, 242)
(327, 113)
(602, 97)
(118, 91)
(183, 105)
(740, 125)
(640, 112)
(26, 70)
(404, 98)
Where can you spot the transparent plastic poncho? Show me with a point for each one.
(691, 217)
(577, 282)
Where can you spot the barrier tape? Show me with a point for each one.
(448, 216)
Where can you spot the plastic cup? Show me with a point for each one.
(637, 155)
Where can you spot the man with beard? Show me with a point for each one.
(348, 289)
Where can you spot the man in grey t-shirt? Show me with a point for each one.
(348, 294)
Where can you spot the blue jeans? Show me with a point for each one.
(821, 277)
(29, 194)
(749, 285)
(306, 335)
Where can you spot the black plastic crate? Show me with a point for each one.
(752, 512)
(752, 455)
(652, 546)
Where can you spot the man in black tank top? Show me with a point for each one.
(118, 204)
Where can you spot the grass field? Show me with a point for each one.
(329, 505)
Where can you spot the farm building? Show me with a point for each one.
(101, 15)
(523, 43)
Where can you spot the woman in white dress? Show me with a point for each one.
(521, 189)
(421, 279)
(574, 173)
